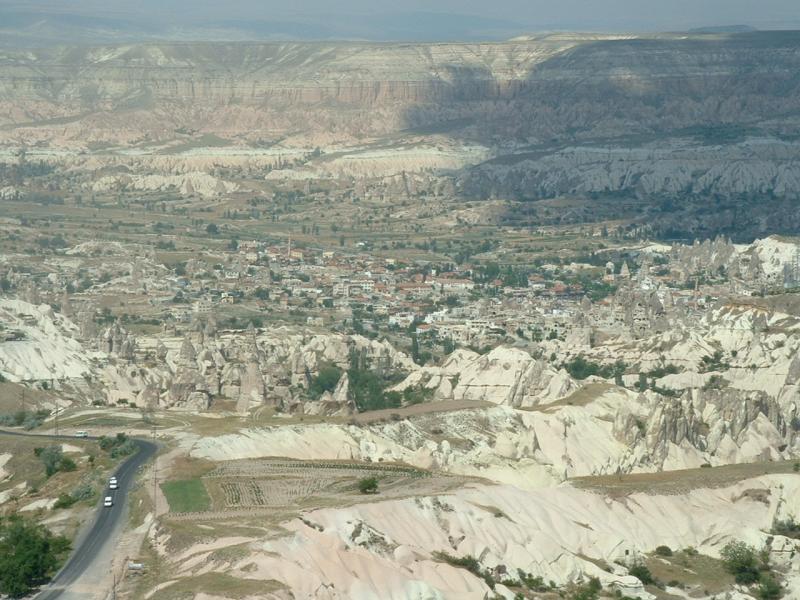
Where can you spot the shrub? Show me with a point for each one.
(26, 419)
(117, 446)
(580, 368)
(786, 527)
(64, 501)
(664, 551)
(532, 583)
(470, 563)
(769, 589)
(417, 395)
(54, 460)
(741, 561)
(643, 574)
(67, 464)
(83, 492)
(588, 591)
(368, 485)
(126, 448)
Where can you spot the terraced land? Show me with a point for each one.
(246, 485)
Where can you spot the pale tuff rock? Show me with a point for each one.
(671, 168)
(341, 393)
(336, 403)
(116, 340)
(503, 376)
(188, 355)
(46, 348)
(387, 163)
(190, 184)
(673, 423)
(104, 248)
(252, 392)
(747, 419)
(385, 549)
(612, 431)
(793, 374)
(9, 192)
(253, 369)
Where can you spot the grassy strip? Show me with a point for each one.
(189, 495)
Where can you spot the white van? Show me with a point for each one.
(82, 434)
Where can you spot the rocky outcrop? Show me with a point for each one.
(507, 376)
(626, 85)
(671, 117)
(190, 184)
(9, 192)
(669, 168)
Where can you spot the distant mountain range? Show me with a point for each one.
(44, 23)
(20, 27)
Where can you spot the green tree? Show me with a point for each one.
(741, 561)
(414, 348)
(448, 346)
(29, 555)
(212, 229)
(642, 573)
(325, 381)
(368, 485)
(54, 460)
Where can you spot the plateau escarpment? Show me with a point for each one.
(558, 87)
(678, 118)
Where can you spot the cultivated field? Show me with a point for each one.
(293, 484)
(684, 481)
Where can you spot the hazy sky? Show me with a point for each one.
(399, 19)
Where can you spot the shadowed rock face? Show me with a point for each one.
(554, 88)
(702, 131)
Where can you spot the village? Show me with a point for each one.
(625, 291)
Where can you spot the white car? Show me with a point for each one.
(82, 434)
(112, 483)
(109, 501)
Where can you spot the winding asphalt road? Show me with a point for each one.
(108, 522)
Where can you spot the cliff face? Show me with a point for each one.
(666, 118)
(550, 88)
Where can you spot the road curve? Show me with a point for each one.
(106, 522)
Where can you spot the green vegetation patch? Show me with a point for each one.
(580, 368)
(326, 381)
(54, 461)
(29, 555)
(188, 495)
(117, 446)
(26, 419)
